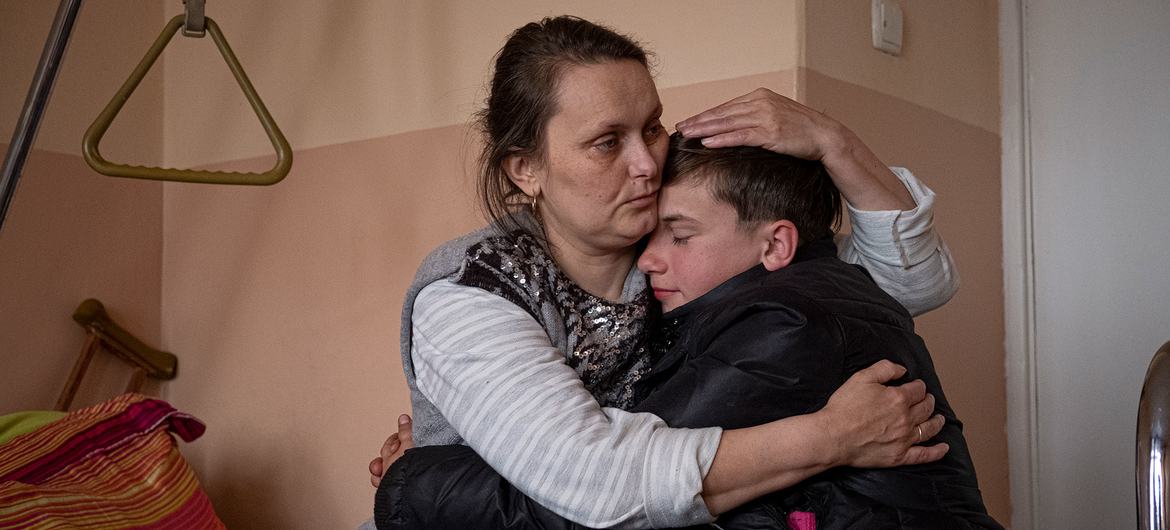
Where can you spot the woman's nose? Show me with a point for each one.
(642, 161)
(649, 262)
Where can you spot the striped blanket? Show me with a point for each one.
(112, 465)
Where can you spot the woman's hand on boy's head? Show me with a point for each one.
(766, 119)
(392, 449)
(763, 118)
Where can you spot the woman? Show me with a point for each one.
(516, 337)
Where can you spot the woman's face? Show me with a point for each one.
(604, 148)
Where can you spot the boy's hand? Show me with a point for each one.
(393, 448)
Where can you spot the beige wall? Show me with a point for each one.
(377, 68)
(935, 109)
(70, 233)
(949, 61)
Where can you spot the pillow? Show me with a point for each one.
(18, 423)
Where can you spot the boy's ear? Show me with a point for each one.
(522, 170)
(782, 240)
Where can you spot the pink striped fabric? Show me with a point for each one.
(112, 465)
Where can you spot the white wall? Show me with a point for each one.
(1098, 107)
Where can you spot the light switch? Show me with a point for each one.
(887, 26)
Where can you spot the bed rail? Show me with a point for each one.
(1153, 432)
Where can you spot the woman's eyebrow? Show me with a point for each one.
(617, 124)
(657, 112)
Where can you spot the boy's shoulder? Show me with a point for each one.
(808, 296)
(761, 306)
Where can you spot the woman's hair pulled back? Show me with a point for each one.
(523, 96)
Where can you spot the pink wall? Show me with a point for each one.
(72, 234)
(286, 303)
(935, 109)
(960, 162)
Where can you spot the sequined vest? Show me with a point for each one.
(603, 341)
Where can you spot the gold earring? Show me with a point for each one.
(534, 195)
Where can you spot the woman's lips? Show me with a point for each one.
(644, 200)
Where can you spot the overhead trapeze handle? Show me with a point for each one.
(97, 130)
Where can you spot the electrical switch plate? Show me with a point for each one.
(887, 26)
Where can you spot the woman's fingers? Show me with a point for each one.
(924, 455)
(722, 119)
(722, 109)
(376, 471)
(406, 431)
(882, 371)
(392, 448)
(766, 119)
(880, 425)
(931, 427)
(922, 411)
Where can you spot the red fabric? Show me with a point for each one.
(112, 465)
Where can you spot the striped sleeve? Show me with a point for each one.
(491, 370)
(902, 251)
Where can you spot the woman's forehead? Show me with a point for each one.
(607, 95)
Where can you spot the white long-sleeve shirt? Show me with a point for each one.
(492, 371)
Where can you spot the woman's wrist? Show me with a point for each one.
(756, 461)
(864, 181)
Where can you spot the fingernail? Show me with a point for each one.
(403, 419)
(706, 141)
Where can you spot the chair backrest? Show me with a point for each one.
(102, 333)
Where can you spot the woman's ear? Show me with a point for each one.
(782, 240)
(522, 170)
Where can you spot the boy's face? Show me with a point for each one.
(697, 245)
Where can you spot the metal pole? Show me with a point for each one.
(1153, 433)
(35, 103)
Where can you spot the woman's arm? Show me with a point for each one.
(902, 251)
(890, 211)
(491, 371)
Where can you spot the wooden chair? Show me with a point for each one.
(102, 333)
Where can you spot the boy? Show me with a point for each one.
(762, 321)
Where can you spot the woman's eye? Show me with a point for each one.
(679, 240)
(654, 131)
(607, 145)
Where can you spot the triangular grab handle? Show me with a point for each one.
(97, 130)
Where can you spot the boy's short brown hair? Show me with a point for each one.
(761, 185)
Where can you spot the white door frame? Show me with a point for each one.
(1018, 265)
